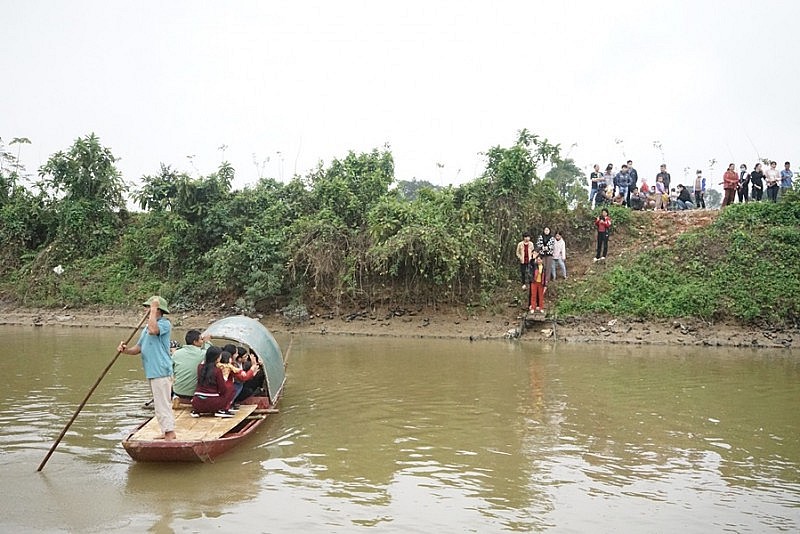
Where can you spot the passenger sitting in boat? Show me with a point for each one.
(224, 364)
(185, 361)
(231, 373)
(236, 362)
(242, 362)
(251, 386)
(213, 394)
(242, 358)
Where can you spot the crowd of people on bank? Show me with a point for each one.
(539, 263)
(623, 188)
(540, 260)
(213, 379)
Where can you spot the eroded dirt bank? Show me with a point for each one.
(439, 324)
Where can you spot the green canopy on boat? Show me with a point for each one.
(248, 331)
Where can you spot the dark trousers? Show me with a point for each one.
(524, 273)
(602, 243)
(730, 194)
(772, 193)
(757, 193)
(548, 264)
(742, 194)
(628, 194)
(700, 199)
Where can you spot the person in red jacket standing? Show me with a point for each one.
(603, 224)
(730, 182)
(538, 285)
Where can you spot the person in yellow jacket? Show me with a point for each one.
(526, 252)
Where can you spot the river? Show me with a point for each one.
(419, 435)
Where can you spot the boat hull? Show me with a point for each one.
(187, 451)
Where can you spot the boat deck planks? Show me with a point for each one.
(190, 428)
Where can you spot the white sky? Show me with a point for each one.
(298, 82)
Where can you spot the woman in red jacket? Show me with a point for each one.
(730, 182)
(213, 394)
(603, 224)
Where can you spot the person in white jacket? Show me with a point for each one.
(559, 257)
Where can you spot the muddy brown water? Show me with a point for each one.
(418, 435)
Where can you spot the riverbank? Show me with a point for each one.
(441, 324)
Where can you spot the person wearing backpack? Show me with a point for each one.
(700, 190)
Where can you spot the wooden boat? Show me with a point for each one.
(205, 438)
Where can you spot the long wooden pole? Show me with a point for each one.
(288, 351)
(86, 399)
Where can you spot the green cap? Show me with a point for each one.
(162, 303)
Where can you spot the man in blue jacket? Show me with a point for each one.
(786, 178)
(621, 182)
(153, 345)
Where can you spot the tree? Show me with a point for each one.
(192, 198)
(350, 187)
(409, 189)
(19, 141)
(506, 187)
(568, 180)
(10, 167)
(85, 190)
(85, 172)
(7, 177)
(512, 171)
(713, 198)
(329, 239)
(428, 248)
(159, 191)
(23, 227)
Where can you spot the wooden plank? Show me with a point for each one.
(537, 316)
(190, 428)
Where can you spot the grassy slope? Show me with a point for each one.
(742, 265)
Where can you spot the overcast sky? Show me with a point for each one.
(292, 83)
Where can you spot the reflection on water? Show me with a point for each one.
(422, 435)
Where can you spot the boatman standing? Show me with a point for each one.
(153, 345)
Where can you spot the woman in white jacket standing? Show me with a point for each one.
(559, 257)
